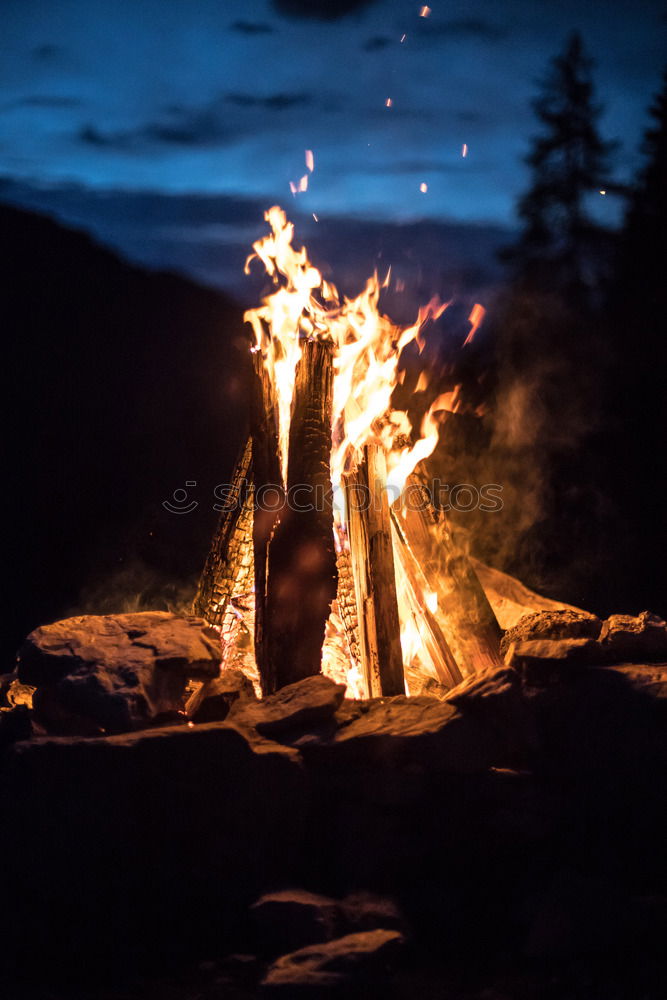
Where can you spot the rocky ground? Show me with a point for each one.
(167, 834)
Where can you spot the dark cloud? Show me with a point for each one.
(274, 102)
(185, 129)
(377, 43)
(252, 27)
(46, 52)
(43, 101)
(460, 28)
(322, 10)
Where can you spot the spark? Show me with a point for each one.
(423, 187)
(603, 192)
(403, 37)
(310, 160)
(301, 186)
(425, 12)
(388, 103)
(464, 149)
(315, 217)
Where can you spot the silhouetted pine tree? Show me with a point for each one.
(636, 406)
(549, 341)
(560, 246)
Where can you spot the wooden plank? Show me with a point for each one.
(435, 646)
(372, 560)
(468, 621)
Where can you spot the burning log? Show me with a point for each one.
(267, 479)
(469, 623)
(372, 561)
(434, 644)
(301, 568)
(228, 567)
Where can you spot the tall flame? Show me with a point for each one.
(367, 351)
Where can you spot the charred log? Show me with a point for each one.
(229, 565)
(301, 568)
(267, 480)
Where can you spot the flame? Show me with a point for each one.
(367, 351)
(475, 319)
(366, 359)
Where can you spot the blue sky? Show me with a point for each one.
(195, 96)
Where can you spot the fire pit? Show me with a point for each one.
(328, 538)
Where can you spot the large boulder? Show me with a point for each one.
(115, 673)
(347, 966)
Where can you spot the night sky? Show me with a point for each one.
(222, 99)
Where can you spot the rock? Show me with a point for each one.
(144, 843)
(6, 681)
(540, 660)
(294, 918)
(630, 639)
(15, 725)
(497, 699)
(306, 704)
(565, 624)
(19, 694)
(213, 700)
(402, 731)
(335, 968)
(115, 673)
(364, 911)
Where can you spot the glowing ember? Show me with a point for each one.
(423, 187)
(388, 103)
(464, 149)
(310, 160)
(425, 12)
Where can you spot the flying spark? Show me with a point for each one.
(425, 12)
(423, 188)
(464, 149)
(403, 37)
(310, 160)
(388, 103)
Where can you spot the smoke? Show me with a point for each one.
(537, 440)
(136, 586)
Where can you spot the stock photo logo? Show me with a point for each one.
(304, 497)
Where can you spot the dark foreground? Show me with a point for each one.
(504, 840)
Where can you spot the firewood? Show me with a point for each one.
(372, 561)
(468, 621)
(436, 649)
(228, 566)
(267, 480)
(301, 568)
